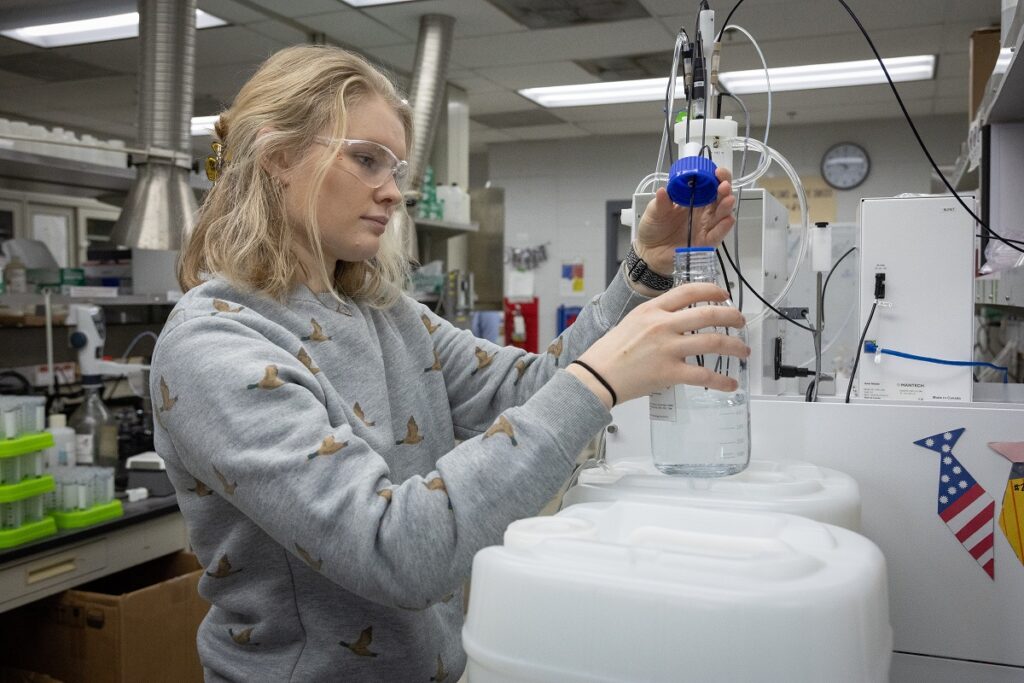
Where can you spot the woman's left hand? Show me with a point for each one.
(664, 225)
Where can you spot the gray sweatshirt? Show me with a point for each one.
(313, 449)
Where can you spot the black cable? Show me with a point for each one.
(860, 350)
(759, 297)
(917, 135)
(727, 18)
(721, 264)
(1007, 239)
(824, 287)
(1008, 242)
(808, 397)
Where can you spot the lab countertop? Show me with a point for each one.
(148, 529)
(134, 513)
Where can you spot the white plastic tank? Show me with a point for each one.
(799, 488)
(626, 592)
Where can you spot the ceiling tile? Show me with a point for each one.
(222, 82)
(650, 111)
(952, 105)
(100, 92)
(470, 81)
(520, 76)
(619, 127)
(14, 81)
(544, 14)
(500, 101)
(952, 87)
(232, 12)
(517, 119)
(117, 55)
(556, 131)
(400, 57)
(561, 44)
(476, 18)
(354, 28)
(282, 34)
(301, 8)
(232, 45)
(46, 65)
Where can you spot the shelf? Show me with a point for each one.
(1002, 288)
(1003, 101)
(120, 300)
(73, 173)
(444, 229)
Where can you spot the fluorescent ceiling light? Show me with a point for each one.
(114, 27)
(1003, 61)
(203, 125)
(810, 77)
(835, 75)
(371, 3)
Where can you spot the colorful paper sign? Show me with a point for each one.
(572, 278)
(1011, 517)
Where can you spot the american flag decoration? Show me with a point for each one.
(964, 505)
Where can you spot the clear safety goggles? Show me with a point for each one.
(371, 162)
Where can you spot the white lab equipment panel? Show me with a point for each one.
(763, 229)
(923, 247)
(946, 610)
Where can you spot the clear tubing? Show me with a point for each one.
(763, 164)
(670, 98)
(768, 155)
(764, 64)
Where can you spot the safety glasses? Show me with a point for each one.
(371, 162)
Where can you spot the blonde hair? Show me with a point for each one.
(243, 232)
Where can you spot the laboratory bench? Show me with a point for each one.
(148, 529)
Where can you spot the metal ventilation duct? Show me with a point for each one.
(160, 208)
(427, 92)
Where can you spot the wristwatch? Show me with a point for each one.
(638, 271)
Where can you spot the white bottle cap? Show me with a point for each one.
(58, 420)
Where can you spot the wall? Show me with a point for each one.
(555, 190)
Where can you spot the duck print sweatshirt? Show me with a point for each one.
(313, 449)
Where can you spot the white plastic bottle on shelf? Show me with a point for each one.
(62, 453)
(16, 276)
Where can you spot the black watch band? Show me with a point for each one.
(638, 271)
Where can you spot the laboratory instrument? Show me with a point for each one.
(917, 261)
(94, 426)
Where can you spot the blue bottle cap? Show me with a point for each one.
(693, 250)
(692, 181)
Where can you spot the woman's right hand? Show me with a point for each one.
(647, 350)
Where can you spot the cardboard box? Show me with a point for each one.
(984, 51)
(136, 625)
(19, 676)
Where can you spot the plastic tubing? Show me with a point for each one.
(768, 155)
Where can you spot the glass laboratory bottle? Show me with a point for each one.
(696, 431)
(95, 428)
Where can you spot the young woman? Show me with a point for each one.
(308, 411)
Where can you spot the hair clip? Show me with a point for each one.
(215, 162)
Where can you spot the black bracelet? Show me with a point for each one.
(599, 378)
(638, 271)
